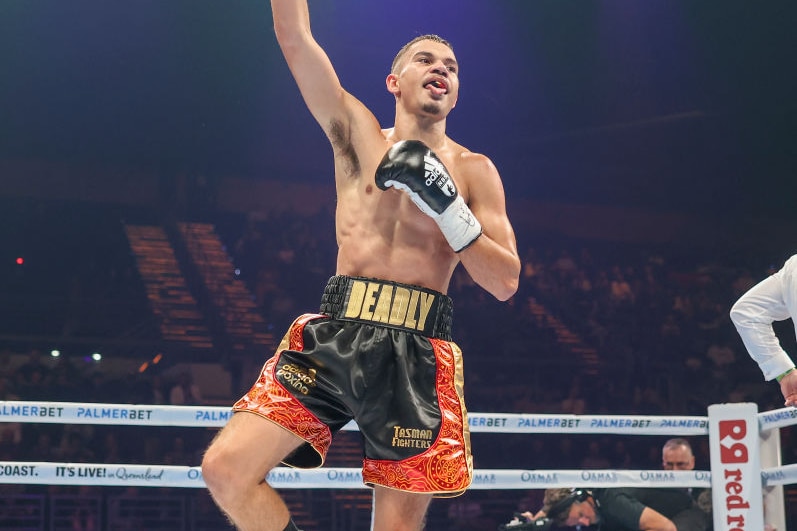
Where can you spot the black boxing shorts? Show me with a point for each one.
(379, 353)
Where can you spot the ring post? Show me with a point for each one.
(774, 502)
(736, 481)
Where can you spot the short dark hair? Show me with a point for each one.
(427, 37)
(675, 443)
(557, 502)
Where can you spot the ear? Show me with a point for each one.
(392, 84)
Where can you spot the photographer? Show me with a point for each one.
(620, 509)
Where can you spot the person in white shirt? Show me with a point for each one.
(772, 299)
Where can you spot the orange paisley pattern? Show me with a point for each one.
(446, 468)
(269, 398)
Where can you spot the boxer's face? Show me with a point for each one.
(427, 78)
(582, 513)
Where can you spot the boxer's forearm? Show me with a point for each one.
(492, 266)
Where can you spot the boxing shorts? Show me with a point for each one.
(379, 353)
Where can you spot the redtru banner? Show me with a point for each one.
(736, 494)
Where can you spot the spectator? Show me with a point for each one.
(595, 458)
(185, 391)
(574, 402)
(34, 364)
(10, 432)
(620, 457)
(465, 514)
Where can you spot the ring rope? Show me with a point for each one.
(333, 478)
(52, 473)
(208, 417)
(777, 418)
(16, 472)
(781, 475)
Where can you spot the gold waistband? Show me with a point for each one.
(403, 306)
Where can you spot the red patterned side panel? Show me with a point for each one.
(446, 468)
(269, 398)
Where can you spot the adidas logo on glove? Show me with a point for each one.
(435, 172)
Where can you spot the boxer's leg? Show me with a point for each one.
(235, 466)
(396, 510)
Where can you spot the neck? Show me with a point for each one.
(430, 130)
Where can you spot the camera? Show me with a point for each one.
(520, 523)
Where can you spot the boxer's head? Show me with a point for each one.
(400, 55)
(424, 77)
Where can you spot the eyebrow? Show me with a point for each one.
(449, 61)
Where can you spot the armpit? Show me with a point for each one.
(340, 137)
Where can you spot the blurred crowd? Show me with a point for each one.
(596, 327)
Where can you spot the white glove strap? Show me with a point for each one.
(459, 225)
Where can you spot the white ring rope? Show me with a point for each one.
(777, 418)
(15, 472)
(782, 475)
(215, 417)
(333, 478)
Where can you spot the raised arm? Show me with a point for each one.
(309, 63)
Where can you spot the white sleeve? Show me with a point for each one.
(753, 314)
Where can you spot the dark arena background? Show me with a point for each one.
(166, 209)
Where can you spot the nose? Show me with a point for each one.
(440, 68)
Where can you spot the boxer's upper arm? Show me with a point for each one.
(309, 64)
(487, 201)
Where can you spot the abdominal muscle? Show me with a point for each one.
(384, 235)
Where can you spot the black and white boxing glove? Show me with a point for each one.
(410, 166)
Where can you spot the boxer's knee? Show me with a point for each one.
(219, 476)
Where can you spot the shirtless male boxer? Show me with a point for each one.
(411, 205)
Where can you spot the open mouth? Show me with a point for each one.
(437, 87)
